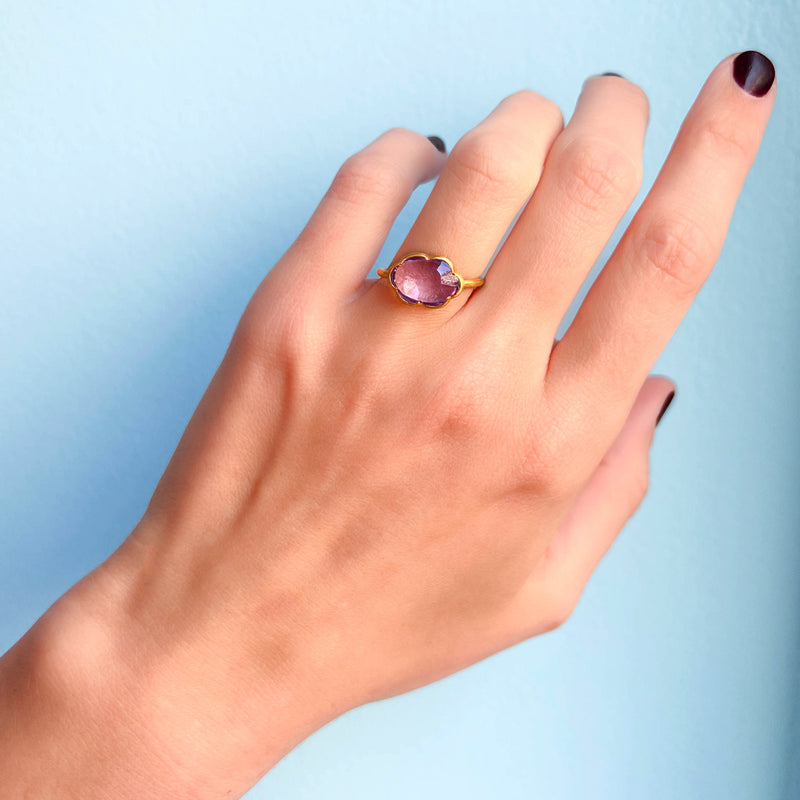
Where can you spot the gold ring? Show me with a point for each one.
(422, 280)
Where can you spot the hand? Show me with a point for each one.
(371, 495)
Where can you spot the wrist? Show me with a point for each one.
(67, 728)
(110, 692)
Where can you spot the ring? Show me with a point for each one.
(422, 280)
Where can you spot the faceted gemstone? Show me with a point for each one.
(427, 281)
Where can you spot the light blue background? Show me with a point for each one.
(157, 158)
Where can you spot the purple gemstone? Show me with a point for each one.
(420, 280)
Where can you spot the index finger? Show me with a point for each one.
(668, 250)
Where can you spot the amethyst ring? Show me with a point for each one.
(422, 280)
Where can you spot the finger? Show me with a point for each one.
(344, 236)
(606, 502)
(663, 258)
(486, 179)
(613, 492)
(592, 174)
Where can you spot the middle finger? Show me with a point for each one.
(484, 182)
(592, 175)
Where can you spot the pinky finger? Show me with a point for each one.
(614, 491)
(607, 501)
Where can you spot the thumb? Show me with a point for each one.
(613, 492)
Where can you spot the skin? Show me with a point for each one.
(371, 496)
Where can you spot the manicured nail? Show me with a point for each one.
(613, 74)
(438, 143)
(754, 72)
(665, 406)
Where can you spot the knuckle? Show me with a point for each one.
(638, 484)
(248, 338)
(560, 605)
(364, 178)
(535, 107)
(596, 172)
(547, 466)
(678, 251)
(631, 480)
(463, 409)
(401, 134)
(252, 334)
(295, 340)
(284, 352)
(288, 338)
(723, 137)
(402, 141)
(489, 164)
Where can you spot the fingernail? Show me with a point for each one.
(438, 143)
(754, 72)
(613, 74)
(665, 406)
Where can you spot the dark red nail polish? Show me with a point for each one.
(438, 143)
(613, 74)
(664, 408)
(754, 72)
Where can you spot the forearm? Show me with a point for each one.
(91, 705)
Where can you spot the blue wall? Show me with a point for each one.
(156, 159)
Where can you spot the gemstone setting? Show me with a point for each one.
(425, 281)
